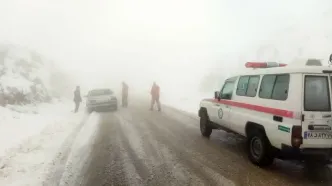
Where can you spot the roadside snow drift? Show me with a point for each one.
(21, 122)
(30, 138)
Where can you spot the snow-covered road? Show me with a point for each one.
(134, 146)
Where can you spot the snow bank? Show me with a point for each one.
(29, 150)
(21, 122)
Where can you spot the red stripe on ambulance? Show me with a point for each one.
(268, 110)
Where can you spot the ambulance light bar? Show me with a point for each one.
(264, 64)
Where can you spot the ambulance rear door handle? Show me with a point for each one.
(217, 105)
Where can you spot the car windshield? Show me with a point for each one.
(100, 92)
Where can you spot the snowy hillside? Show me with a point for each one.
(25, 76)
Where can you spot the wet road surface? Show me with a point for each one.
(135, 146)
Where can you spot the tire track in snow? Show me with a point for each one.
(110, 163)
(188, 168)
(80, 152)
(131, 141)
(156, 159)
(205, 155)
(189, 160)
(57, 167)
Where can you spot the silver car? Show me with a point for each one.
(98, 99)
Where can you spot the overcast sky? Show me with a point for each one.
(140, 41)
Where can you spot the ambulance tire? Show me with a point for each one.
(205, 125)
(260, 151)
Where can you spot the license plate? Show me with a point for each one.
(317, 135)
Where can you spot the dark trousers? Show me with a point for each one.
(124, 100)
(77, 106)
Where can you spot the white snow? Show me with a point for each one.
(13, 80)
(80, 151)
(186, 102)
(30, 138)
(21, 122)
(26, 74)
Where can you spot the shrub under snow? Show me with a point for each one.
(24, 76)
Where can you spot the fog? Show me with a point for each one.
(178, 44)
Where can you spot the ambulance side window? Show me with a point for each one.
(280, 90)
(253, 86)
(227, 90)
(274, 87)
(242, 86)
(247, 86)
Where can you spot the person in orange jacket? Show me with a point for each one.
(155, 94)
(124, 94)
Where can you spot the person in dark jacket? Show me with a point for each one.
(77, 98)
(124, 94)
(155, 94)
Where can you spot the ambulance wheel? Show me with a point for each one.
(205, 126)
(259, 149)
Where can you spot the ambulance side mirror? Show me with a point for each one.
(216, 95)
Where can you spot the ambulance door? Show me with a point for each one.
(222, 107)
(317, 115)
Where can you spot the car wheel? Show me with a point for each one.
(259, 149)
(205, 126)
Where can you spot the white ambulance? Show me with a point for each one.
(284, 111)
